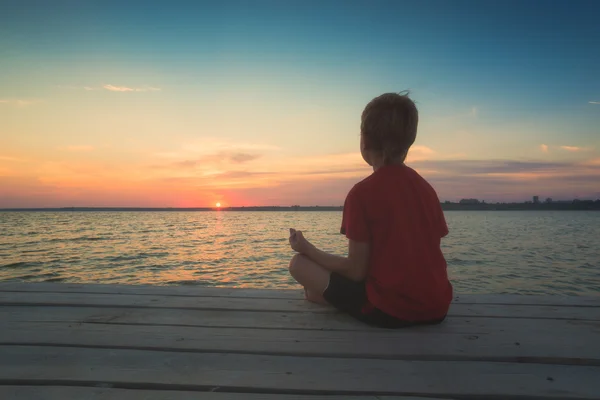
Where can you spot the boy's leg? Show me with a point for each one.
(312, 276)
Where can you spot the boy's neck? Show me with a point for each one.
(380, 163)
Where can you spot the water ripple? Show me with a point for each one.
(487, 252)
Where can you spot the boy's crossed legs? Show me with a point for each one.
(312, 276)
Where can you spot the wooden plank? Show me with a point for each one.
(516, 299)
(88, 393)
(577, 349)
(251, 319)
(145, 290)
(203, 291)
(280, 305)
(525, 311)
(298, 375)
(273, 320)
(132, 300)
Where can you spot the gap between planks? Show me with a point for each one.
(97, 393)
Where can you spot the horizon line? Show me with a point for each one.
(296, 206)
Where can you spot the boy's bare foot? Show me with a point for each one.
(315, 298)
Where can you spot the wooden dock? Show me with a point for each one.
(64, 341)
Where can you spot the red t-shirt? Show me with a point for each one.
(398, 213)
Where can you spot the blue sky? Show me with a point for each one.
(505, 83)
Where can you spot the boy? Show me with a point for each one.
(395, 273)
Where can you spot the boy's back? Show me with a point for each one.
(399, 214)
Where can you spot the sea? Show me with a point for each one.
(488, 252)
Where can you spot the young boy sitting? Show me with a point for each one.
(395, 273)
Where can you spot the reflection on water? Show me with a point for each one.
(487, 252)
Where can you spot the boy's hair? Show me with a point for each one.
(389, 125)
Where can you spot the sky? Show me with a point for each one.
(190, 103)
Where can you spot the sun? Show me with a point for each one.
(218, 205)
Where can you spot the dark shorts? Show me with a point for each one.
(351, 297)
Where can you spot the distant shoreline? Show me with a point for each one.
(577, 205)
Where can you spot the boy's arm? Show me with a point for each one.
(353, 267)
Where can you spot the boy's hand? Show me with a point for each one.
(298, 242)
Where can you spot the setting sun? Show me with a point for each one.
(218, 205)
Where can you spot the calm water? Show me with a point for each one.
(487, 252)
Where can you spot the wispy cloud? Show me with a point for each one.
(114, 88)
(118, 88)
(594, 102)
(10, 158)
(78, 148)
(544, 148)
(203, 147)
(510, 170)
(595, 162)
(240, 158)
(19, 102)
(211, 159)
(575, 148)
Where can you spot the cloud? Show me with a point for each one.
(118, 88)
(593, 162)
(509, 170)
(594, 102)
(575, 148)
(212, 145)
(19, 102)
(10, 158)
(419, 152)
(212, 159)
(227, 157)
(510, 179)
(206, 147)
(79, 148)
(486, 167)
(240, 158)
(114, 88)
(422, 149)
(544, 148)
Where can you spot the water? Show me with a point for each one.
(487, 252)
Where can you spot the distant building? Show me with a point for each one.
(548, 200)
(536, 199)
(469, 201)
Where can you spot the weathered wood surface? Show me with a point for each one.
(101, 342)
